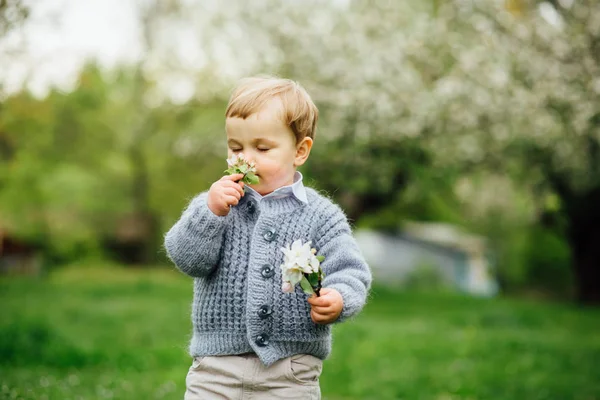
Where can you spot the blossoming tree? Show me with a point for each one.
(512, 86)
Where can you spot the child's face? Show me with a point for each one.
(265, 139)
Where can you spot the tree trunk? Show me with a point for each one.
(584, 238)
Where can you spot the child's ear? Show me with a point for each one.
(302, 151)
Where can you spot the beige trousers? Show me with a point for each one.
(244, 377)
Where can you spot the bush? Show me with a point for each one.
(549, 260)
(536, 259)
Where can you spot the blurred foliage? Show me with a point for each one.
(67, 177)
(12, 14)
(473, 114)
(69, 174)
(548, 261)
(535, 261)
(426, 278)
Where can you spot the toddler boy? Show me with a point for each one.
(250, 339)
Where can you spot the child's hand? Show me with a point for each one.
(224, 193)
(326, 308)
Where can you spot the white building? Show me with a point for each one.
(458, 259)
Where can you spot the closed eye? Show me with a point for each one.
(263, 149)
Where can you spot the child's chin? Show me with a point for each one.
(261, 189)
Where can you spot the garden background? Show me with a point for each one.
(483, 115)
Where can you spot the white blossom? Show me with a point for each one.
(299, 259)
(239, 160)
(238, 164)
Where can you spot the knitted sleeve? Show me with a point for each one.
(195, 241)
(345, 268)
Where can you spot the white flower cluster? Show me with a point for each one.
(299, 259)
(240, 162)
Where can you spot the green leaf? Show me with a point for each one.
(321, 258)
(243, 169)
(251, 179)
(305, 285)
(313, 279)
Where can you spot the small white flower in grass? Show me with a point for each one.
(301, 265)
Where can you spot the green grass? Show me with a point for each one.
(93, 333)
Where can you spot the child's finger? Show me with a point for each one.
(231, 200)
(233, 178)
(318, 318)
(322, 310)
(236, 186)
(325, 291)
(319, 301)
(231, 191)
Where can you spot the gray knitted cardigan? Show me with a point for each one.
(238, 304)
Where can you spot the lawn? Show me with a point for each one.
(108, 333)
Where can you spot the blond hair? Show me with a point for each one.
(299, 111)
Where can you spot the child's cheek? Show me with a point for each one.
(269, 167)
(278, 170)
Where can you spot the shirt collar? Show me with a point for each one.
(296, 189)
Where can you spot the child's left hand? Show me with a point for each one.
(326, 308)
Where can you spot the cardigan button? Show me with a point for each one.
(270, 235)
(267, 271)
(262, 340)
(251, 207)
(265, 311)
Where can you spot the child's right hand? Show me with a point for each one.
(224, 193)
